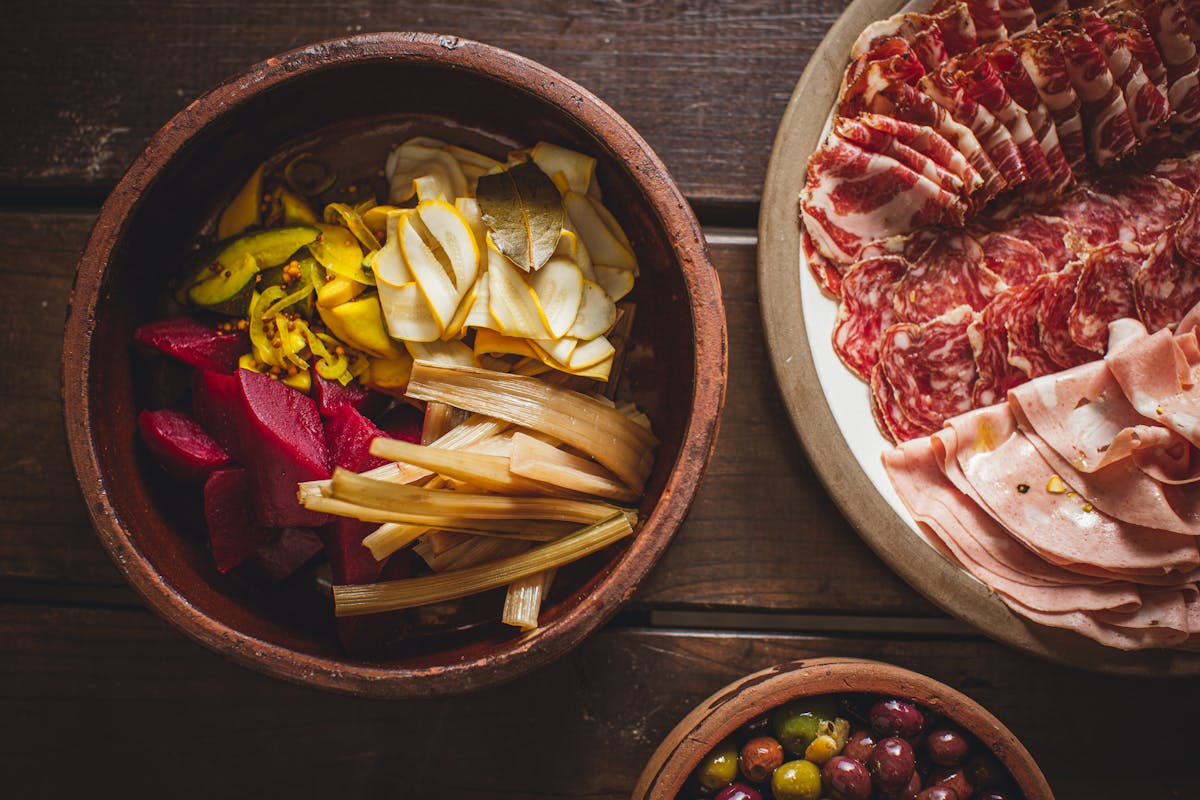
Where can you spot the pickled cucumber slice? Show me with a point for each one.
(224, 284)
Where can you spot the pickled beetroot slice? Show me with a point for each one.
(288, 551)
(233, 529)
(195, 343)
(403, 422)
(331, 396)
(372, 634)
(215, 406)
(349, 560)
(181, 446)
(283, 443)
(348, 435)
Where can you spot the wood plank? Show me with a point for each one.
(101, 697)
(762, 534)
(704, 83)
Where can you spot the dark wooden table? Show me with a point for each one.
(98, 694)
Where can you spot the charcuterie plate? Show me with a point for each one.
(830, 408)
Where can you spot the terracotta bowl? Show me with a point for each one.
(347, 100)
(742, 701)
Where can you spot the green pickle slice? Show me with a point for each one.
(224, 283)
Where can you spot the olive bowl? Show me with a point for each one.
(348, 99)
(756, 695)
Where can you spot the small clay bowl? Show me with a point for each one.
(760, 693)
(347, 100)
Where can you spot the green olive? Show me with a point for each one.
(795, 723)
(719, 768)
(796, 780)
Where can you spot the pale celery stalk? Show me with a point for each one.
(392, 536)
(543, 462)
(579, 421)
(516, 527)
(395, 595)
(487, 472)
(418, 502)
(523, 602)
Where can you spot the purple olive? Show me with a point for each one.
(912, 790)
(996, 794)
(859, 746)
(938, 793)
(740, 791)
(947, 748)
(896, 718)
(845, 778)
(953, 777)
(892, 764)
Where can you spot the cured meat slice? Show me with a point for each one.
(866, 311)
(907, 104)
(928, 141)
(1046, 66)
(949, 273)
(991, 134)
(1104, 293)
(1168, 284)
(985, 14)
(1146, 103)
(1130, 27)
(890, 62)
(824, 271)
(1094, 219)
(1157, 379)
(1048, 234)
(1018, 16)
(1108, 634)
(930, 367)
(989, 459)
(983, 84)
(1025, 350)
(920, 31)
(1106, 124)
(984, 548)
(887, 145)
(886, 410)
(1003, 58)
(957, 28)
(1187, 234)
(1058, 296)
(1151, 205)
(1044, 9)
(1183, 172)
(1167, 23)
(853, 197)
(1016, 261)
(909, 246)
(988, 334)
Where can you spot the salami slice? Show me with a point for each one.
(1008, 319)
(1095, 220)
(1104, 293)
(1187, 234)
(931, 367)
(884, 408)
(1183, 172)
(866, 311)
(950, 273)
(1150, 204)
(1058, 296)
(1015, 261)
(1025, 349)
(1047, 234)
(1167, 286)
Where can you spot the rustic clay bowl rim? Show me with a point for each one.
(929, 572)
(510, 658)
(758, 693)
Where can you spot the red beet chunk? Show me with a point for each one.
(348, 435)
(283, 444)
(181, 446)
(332, 395)
(288, 552)
(349, 560)
(233, 529)
(215, 406)
(403, 422)
(195, 343)
(371, 634)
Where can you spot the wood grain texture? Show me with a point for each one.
(762, 534)
(703, 81)
(123, 699)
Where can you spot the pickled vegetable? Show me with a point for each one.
(225, 283)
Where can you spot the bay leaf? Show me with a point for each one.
(524, 211)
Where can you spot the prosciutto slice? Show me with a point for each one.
(1167, 23)
(930, 367)
(989, 27)
(928, 141)
(1130, 27)
(920, 31)
(885, 144)
(1106, 123)
(1044, 63)
(1146, 102)
(853, 197)
(1018, 16)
